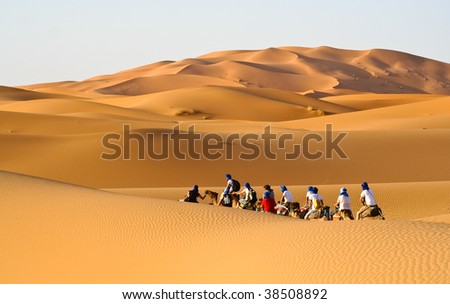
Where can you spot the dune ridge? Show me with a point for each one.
(112, 238)
(237, 92)
(323, 69)
(83, 200)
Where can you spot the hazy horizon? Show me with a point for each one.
(51, 40)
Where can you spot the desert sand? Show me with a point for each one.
(70, 216)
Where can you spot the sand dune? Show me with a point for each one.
(392, 157)
(372, 101)
(393, 198)
(84, 235)
(147, 85)
(231, 103)
(404, 112)
(324, 69)
(443, 218)
(15, 94)
(376, 115)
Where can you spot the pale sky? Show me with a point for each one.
(55, 40)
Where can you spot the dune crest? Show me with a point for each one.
(328, 70)
(294, 90)
(105, 161)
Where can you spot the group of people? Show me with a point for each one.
(313, 208)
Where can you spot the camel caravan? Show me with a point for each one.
(313, 206)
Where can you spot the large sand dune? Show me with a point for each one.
(324, 69)
(57, 233)
(389, 110)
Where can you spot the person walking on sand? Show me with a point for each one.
(369, 204)
(343, 205)
(192, 195)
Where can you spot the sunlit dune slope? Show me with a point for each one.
(324, 70)
(57, 233)
(58, 130)
(106, 159)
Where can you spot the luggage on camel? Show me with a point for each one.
(227, 200)
(236, 185)
(326, 213)
(317, 203)
(253, 196)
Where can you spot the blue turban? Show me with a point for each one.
(344, 192)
